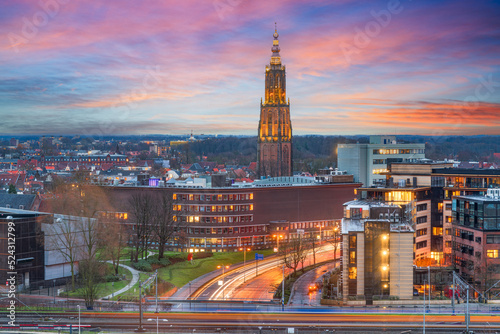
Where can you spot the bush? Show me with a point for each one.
(393, 297)
(376, 298)
(142, 265)
(112, 278)
(159, 262)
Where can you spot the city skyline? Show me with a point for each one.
(397, 67)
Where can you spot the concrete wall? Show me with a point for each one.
(360, 252)
(401, 265)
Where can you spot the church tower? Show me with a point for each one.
(274, 149)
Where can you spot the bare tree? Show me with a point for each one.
(166, 223)
(112, 238)
(293, 252)
(142, 209)
(64, 237)
(334, 241)
(91, 274)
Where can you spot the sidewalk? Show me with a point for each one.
(135, 279)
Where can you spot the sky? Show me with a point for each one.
(120, 67)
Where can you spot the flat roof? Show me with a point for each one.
(394, 188)
(371, 204)
(479, 198)
(465, 171)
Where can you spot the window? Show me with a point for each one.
(493, 239)
(352, 257)
(421, 244)
(356, 212)
(352, 241)
(437, 231)
(421, 220)
(490, 210)
(422, 207)
(421, 232)
(492, 253)
(353, 272)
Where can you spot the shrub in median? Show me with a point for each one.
(142, 265)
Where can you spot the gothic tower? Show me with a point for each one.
(275, 128)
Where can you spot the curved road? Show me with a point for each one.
(243, 284)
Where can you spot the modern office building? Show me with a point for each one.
(426, 190)
(476, 237)
(20, 238)
(39, 248)
(220, 219)
(369, 162)
(377, 252)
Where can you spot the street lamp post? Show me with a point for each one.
(79, 327)
(424, 304)
(429, 278)
(140, 328)
(336, 241)
(223, 280)
(54, 290)
(189, 295)
(157, 321)
(156, 292)
(244, 261)
(283, 291)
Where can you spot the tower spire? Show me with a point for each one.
(275, 58)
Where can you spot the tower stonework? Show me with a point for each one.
(274, 148)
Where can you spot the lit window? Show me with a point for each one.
(353, 272)
(492, 253)
(352, 257)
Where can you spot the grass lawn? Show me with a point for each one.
(181, 273)
(134, 290)
(107, 288)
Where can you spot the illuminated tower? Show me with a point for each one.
(275, 127)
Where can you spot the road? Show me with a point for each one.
(300, 291)
(244, 284)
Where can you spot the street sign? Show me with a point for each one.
(259, 256)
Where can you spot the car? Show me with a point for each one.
(313, 287)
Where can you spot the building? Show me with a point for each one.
(476, 238)
(377, 252)
(27, 249)
(20, 201)
(459, 182)
(274, 150)
(40, 247)
(221, 219)
(426, 190)
(369, 162)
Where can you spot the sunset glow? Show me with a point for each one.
(169, 67)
